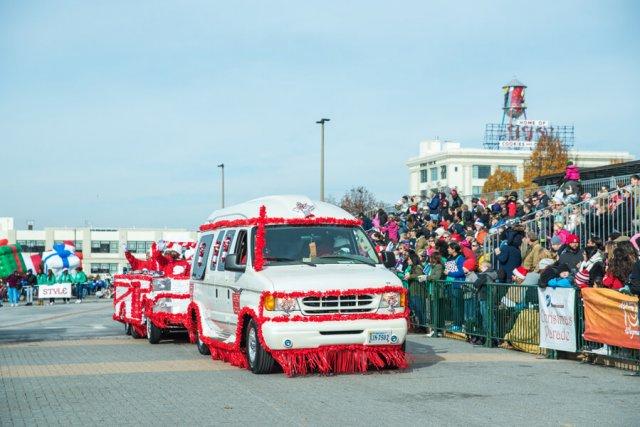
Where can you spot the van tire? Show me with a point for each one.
(154, 334)
(127, 329)
(202, 347)
(258, 359)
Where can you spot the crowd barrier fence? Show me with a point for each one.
(495, 314)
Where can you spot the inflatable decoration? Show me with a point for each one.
(10, 260)
(62, 257)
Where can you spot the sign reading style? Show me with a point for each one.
(60, 290)
(611, 317)
(557, 318)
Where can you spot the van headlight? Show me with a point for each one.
(162, 284)
(392, 300)
(285, 304)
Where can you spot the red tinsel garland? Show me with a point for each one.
(231, 353)
(281, 221)
(339, 359)
(339, 317)
(258, 264)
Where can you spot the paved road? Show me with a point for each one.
(72, 365)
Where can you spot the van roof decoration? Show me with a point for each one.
(305, 208)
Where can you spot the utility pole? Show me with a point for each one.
(221, 166)
(321, 122)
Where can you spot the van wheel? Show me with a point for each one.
(127, 329)
(153, 333)
(202, 347)
(260, 362)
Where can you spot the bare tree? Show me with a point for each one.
(358, 200)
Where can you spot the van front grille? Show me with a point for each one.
(344, 304)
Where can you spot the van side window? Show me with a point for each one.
(200, 258)
(241, 248)
(225, 248)
(216, 250)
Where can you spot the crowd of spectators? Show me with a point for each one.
(567, 239)
(24, 286)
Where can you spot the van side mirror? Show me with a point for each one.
(388, 259)
(231, 264)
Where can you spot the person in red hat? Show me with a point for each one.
(571, 253)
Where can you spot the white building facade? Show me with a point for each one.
(446, 164)
(101, 247)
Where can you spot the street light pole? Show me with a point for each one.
(321, 122)
(221, 166)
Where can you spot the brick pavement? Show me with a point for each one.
(118, 380)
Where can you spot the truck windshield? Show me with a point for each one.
(312, 245)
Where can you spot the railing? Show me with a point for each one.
(497, 314)
(490, 315)
(591, 186)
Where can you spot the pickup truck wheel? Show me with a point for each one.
(202, 347)
(127, 329)
(154, 334)
(260, 362)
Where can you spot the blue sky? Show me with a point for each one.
(116, 114)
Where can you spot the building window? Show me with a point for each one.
(424, 193)
(476, 190)
(509, 168)
(443, 172)
(104, 247)
(424, 175)
(104, 268)
(481, 171)
(455, 169)
(31, 245)
(139, 247)
(434, 174)
(76, 243)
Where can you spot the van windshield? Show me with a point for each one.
(322, 244)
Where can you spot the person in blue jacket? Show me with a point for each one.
(564, 278)
(434, 207)
(455, 273)
(508, 254)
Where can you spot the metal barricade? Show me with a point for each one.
(500, 313)
(496, 313)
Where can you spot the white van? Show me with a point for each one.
(319, 298)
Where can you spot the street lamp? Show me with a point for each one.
(221, 166)
(321, 122)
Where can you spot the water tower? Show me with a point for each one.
(514, 106)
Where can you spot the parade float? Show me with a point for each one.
(152, 298)
(284, 280)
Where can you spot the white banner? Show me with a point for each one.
(517, 144)
(60, 290)
(534, 123)
(557, 318)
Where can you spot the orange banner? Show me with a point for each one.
(611, 317)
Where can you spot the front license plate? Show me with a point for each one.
(380, 337)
